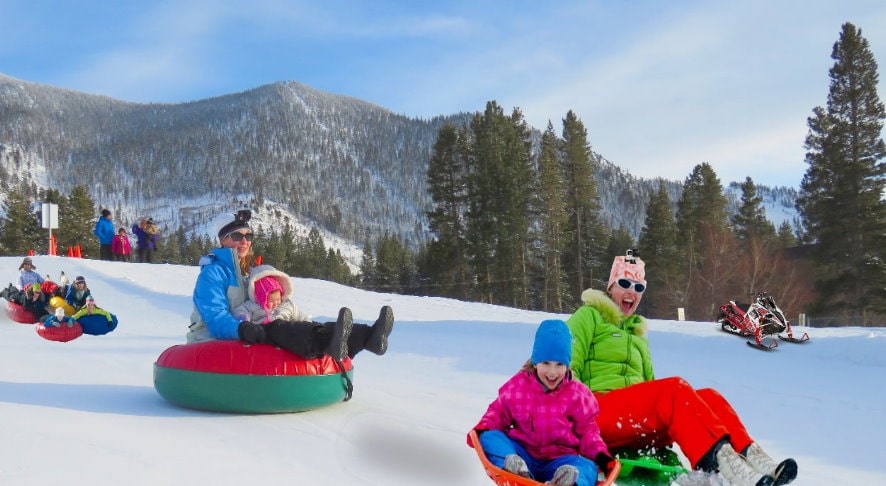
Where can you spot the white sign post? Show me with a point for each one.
(50, 222)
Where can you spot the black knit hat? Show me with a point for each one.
(106, 212)
(241, 221)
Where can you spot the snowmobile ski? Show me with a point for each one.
(763, 346)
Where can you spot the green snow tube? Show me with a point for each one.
(234, 377)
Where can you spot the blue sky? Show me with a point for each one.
(661, 86)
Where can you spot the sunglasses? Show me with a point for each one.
(239, 236)
(626, 284)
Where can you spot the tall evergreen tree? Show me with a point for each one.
(755, 235)
(20, 229)
(76, 220)
(703, 239)
(367, 266)
(785, 237)
(841, 196)
(446, 262)
(584, 252)
(553, 220)
(658, 248)
(395, 268)
(499, 186)
(750, 220)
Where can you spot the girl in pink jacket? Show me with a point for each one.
(543, 423)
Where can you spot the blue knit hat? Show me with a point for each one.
(553, 342)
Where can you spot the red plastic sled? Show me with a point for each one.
(19, 314)
(505, 478)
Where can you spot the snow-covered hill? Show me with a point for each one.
(86, 413)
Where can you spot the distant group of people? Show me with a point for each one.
(116, 246)
(33, 293)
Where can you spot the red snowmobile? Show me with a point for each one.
(761, 319)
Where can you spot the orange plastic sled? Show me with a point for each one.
(505, 478)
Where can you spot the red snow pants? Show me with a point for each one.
(661, 412)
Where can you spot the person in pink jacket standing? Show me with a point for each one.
(120, 247)
(543, 423)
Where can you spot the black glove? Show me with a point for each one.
(293, 336)
(252, 333)
(603, 461)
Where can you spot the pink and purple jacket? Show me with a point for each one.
(549, 424)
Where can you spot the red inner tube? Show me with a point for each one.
(61, 334)
(19, 314)
(236, 357)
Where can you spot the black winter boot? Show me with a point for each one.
(341, 331)
(378, 338)
(372, 338)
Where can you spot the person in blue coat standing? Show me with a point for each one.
(104, 230)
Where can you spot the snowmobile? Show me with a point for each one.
(761, 319)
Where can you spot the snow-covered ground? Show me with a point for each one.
(86, 412)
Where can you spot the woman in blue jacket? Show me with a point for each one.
(104, 230)
(222, 286)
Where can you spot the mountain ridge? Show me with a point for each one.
(349, 166)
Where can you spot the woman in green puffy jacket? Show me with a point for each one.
(610, 354)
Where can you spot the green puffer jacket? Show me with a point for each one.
(609, 350)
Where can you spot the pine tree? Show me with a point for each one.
(173, 243)
(20, 227)
(76, 220)
(367, 267)
(553, 220)
(755, 235)
(704, 242)
(395, 266)
(584, 254)
(315, 255)
(446, 262)
(841, 196)
(658, 248)
(750, 220)
(785, 237)
(499, 186)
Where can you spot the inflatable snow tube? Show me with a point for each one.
(19, 314)
(61, 334)
(57, 302)
(231, 376)
(97, 324)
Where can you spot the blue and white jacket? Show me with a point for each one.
(220, 288)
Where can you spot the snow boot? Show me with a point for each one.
(738, 471)
(338, 341)
(565, 475)
(515, 464)
(9, 293)
(377, 342)
(783, 472)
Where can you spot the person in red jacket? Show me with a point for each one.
(120, 247)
